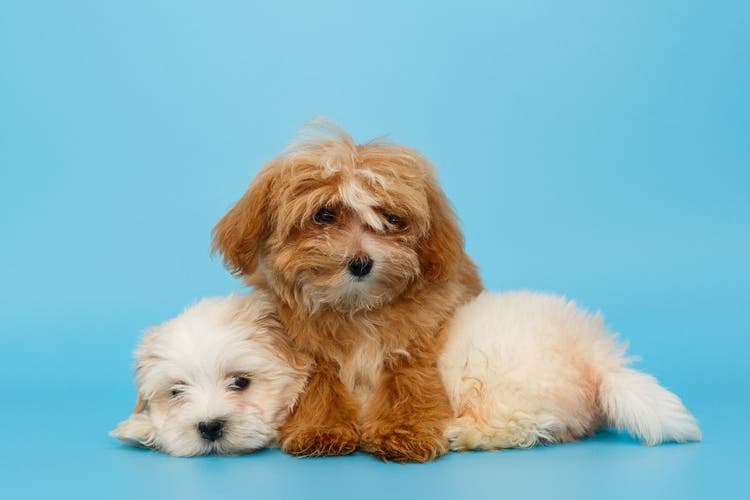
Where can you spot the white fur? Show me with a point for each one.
(635, 402)
(199, 352)
(523, 368)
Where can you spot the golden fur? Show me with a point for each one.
(375, 341)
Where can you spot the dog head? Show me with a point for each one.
(217, 379)
(331, 223)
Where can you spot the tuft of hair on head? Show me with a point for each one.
(319, 130)
(321, 141)
(325, 139)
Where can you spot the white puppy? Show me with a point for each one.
(520, 369)
(524, 368)
(220, 378)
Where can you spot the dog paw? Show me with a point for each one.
(318, 442)
(463, 434)
(404, 443)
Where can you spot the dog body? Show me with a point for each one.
(365, 260)
(384, 377)
(526, 368)
(520, 369)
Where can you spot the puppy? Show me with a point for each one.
(220, 378)
(527, 368)
(364, 258)
(521, 369)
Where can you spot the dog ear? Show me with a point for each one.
(138, 429)
(238, 236)
(443, 247)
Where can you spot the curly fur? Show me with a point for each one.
(375, 341)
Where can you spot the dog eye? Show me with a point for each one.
(325, 216)
(395, 221)
(239, 383)
(176, 389)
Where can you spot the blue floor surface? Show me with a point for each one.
(63, 395)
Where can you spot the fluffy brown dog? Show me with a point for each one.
(364, 256)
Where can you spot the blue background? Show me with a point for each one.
(597, 149)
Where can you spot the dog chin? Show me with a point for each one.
(240, 442)
(216, 448)
(350, 295)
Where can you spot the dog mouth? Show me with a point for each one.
(219, 450)
(240, 439)
(224, 449)
(221, 447)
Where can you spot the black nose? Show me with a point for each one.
(360, 266)
(211, 430)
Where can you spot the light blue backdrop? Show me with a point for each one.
(599, 149)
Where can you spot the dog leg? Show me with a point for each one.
(324, 421)
(506, 431)
(407, 416)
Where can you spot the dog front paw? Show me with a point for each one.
(404, 443)
(318, 441)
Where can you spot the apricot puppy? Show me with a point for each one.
(363, 255)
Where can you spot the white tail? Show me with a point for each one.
(635, 402)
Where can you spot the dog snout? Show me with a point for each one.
(360, 266)
(211, 430)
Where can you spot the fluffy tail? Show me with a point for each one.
(635, 402)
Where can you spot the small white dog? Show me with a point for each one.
(520, 369)
(220, 378)
(525, 368)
